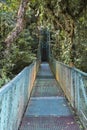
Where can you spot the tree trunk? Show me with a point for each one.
(19, 25)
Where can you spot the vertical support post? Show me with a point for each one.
(39, 46)
(76, 81)
(49, 44)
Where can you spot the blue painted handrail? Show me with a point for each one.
(14, 97)
(74, 84)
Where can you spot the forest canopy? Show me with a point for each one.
(20, 21)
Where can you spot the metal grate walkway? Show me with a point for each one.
(48, 109)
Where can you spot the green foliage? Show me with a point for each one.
(7, 23)
(21, 54)
(7, 18)
(24, 49)
(70, 20)
(67, 21)
(81, 45)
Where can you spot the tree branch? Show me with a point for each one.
(19, 25)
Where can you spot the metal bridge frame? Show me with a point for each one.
(15, 95)
(74, 84)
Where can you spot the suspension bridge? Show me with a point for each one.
(47, 95)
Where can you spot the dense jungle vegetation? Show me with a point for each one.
(20, 21)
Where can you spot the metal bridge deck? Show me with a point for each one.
(48, 109)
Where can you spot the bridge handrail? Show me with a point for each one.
(14, 97)
(79, 71)
(74, 84)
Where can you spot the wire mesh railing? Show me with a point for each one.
(74, 84)
(14, 97)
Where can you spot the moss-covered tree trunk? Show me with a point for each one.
(19, 25)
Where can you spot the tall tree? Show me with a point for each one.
(19, 25)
